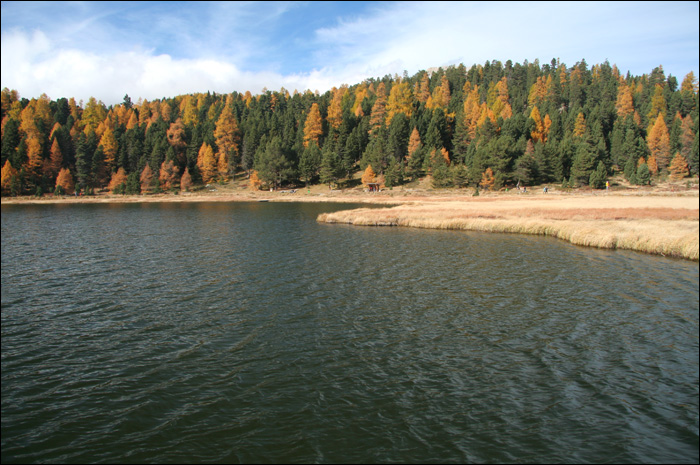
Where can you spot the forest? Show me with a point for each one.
(490, 126)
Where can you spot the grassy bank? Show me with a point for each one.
(657, 225)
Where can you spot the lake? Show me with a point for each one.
(248, 332)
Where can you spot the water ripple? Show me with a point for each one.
(251, 333)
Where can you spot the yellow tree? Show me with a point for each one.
(625, 103)
(539, 134)
(176, 138)
(424, 89)
(658, 104)
(93, 114)
(35, 162)
(117, 180)
(109, 148)
(10, 177)
(206, 163)
(487, 179)
(580, 125)
(369, 176)
(440, 97)
(378, 109)
(678, 167)
(360, 94)
(186, 181)
(500, 105)
(472, 109)
(313, 127)
(539, 90)
(659, 143)
(168, 174)
(146, 179)
(226, 136)
(400, 101)
(56, 159)
(133, 120)
(335, 108)
(414, 143)
(64, 181)
(255, 182)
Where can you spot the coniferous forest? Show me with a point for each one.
(493, 125)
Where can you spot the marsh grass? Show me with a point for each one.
(664, 226)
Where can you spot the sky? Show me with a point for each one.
(163, 49)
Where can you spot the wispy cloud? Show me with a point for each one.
(160, 49)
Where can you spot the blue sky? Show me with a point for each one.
(163, 49)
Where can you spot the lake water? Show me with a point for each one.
(248, 332)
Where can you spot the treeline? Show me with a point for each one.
(492, 125)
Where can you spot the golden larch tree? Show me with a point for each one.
(55, 159)
(678, 167)
(186, 181)
(400, 101)
(313, 127)
(487, 179)
(369, 176)
(117, 180)
(254, 181)
(472, 109)
(64, 180)
(378, 109)
(207, 163)
(414, 143)
(146, 178)
(109, 148)
(424, 89)
(335, 108)
(658, 104)
(35, 162)
(625, 103)
(227, 136)
(580, 125)
(9, 176)
(659, 143)
(167, 175)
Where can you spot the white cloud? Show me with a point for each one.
(32, 65)
(164, 53)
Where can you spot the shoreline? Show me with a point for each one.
(662, 223)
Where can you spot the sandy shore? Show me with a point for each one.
(657, 222)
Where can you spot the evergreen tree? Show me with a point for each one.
(310, 162)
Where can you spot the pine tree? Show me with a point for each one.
(310, 162)
(331, 167)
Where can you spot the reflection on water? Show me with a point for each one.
(250, 333)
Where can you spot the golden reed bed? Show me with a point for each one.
(657, 225)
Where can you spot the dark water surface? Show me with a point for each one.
(250, 333)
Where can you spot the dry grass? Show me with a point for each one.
(664, 225)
